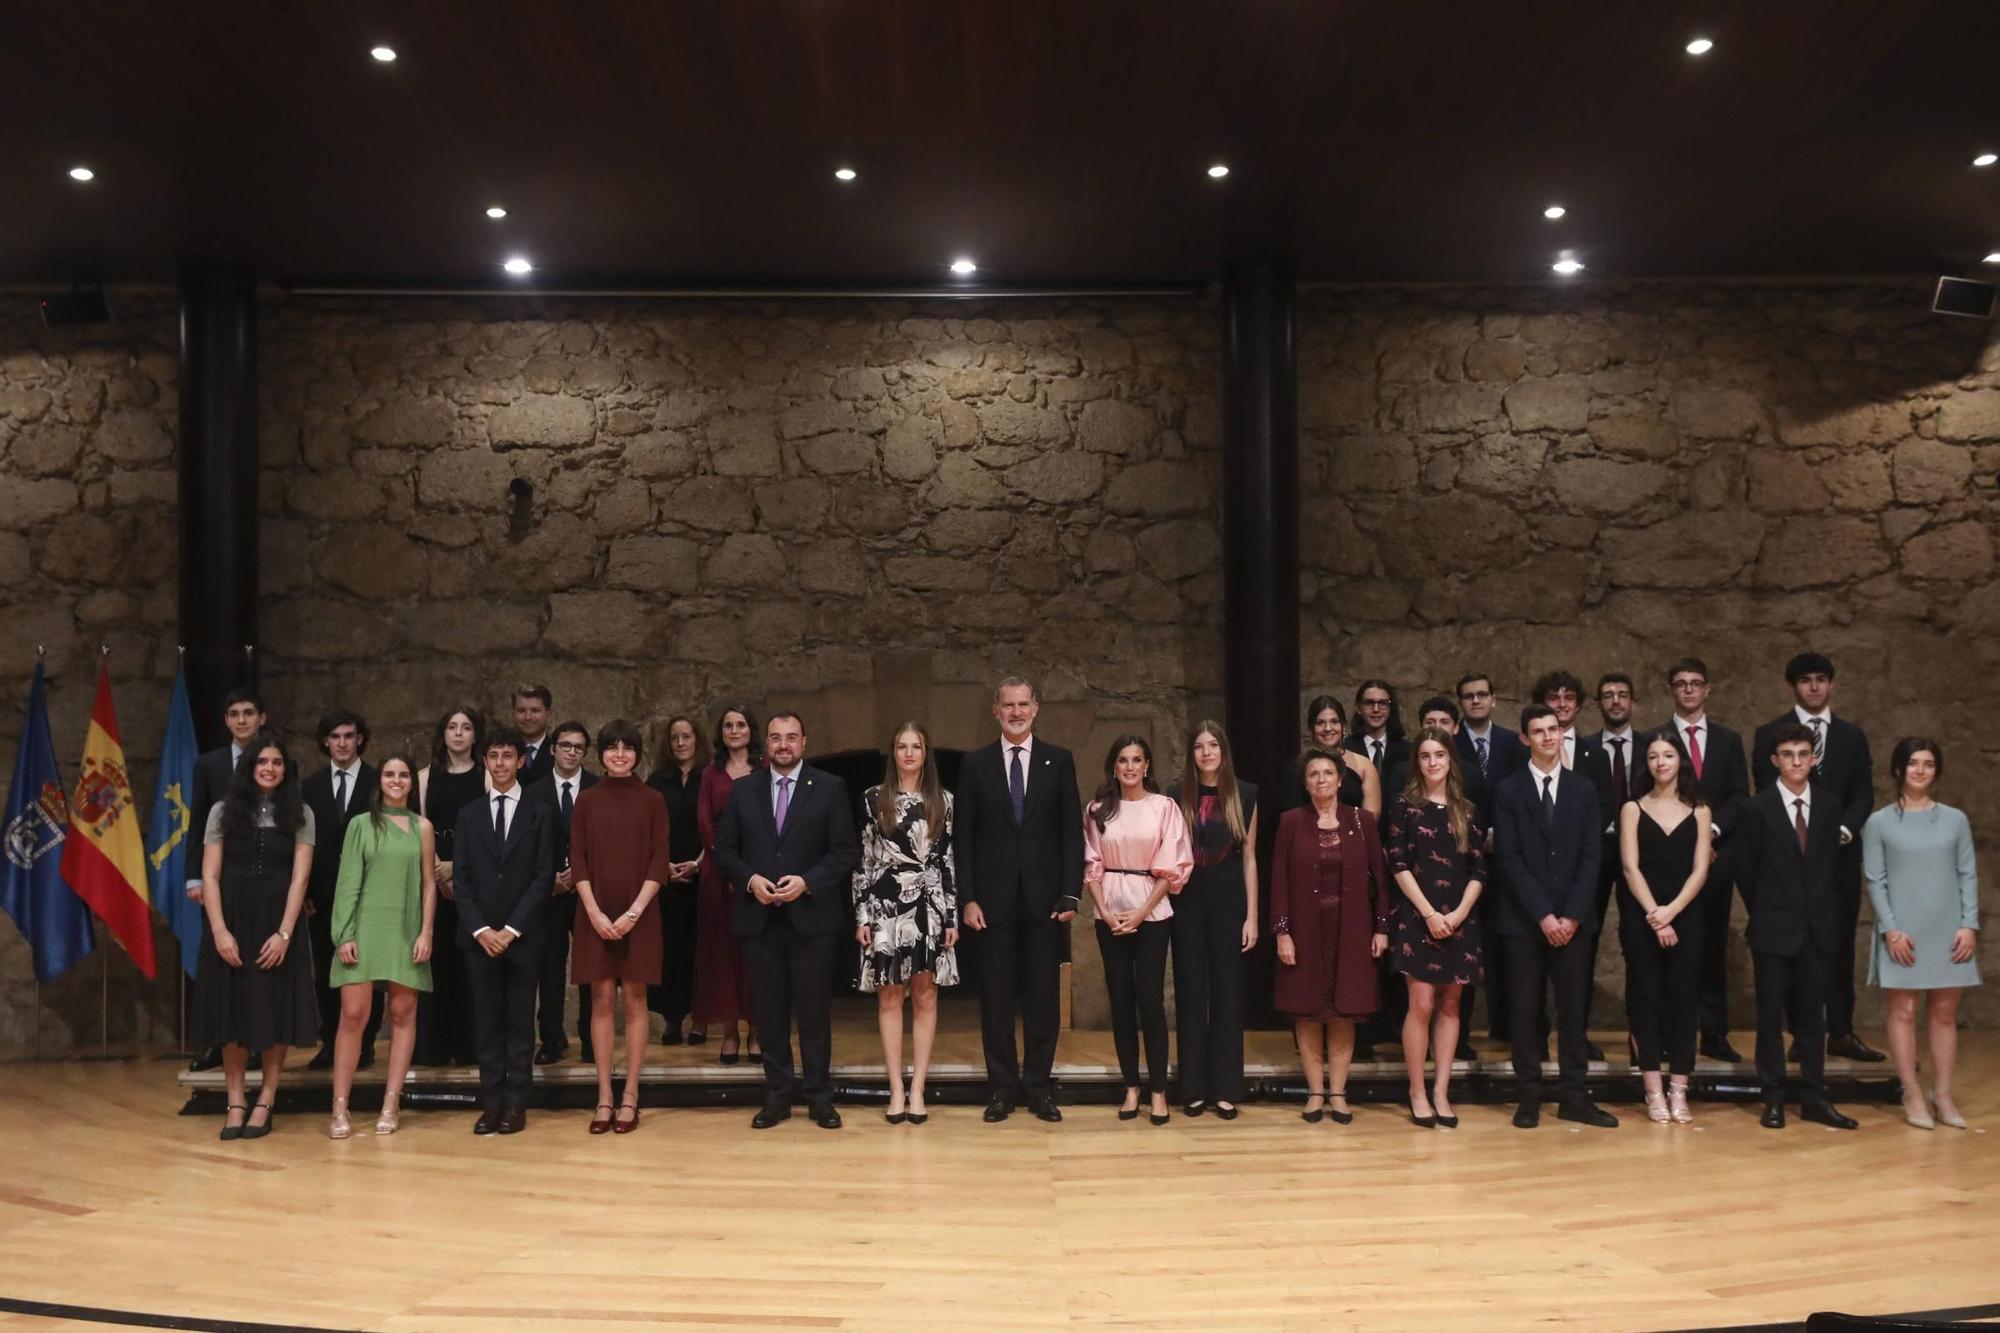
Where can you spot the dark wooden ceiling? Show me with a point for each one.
(660, 142)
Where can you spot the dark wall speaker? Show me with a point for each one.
(1962, 296)
(85, 305)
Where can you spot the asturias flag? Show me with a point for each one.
(54, 920)
(103, 858)
(170, 832)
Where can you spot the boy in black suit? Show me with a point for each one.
(338, 792)
(533, 706)
(567, 780)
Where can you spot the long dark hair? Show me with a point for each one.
(755, 754)
(667, 765)
(1685, 790)
(1907, 749)
(1455, 804)
(377, 819)
(1393, 729)
(1320, 703)
(440, 757)
(930, 787)
(1227, 794)
(239, 807)
(1104, 805)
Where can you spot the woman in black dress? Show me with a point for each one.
(1433, 847)
(453, 779)
(1360, 784)
(678, 781)
(1663, 840)
(1214, 922)
(253, 987)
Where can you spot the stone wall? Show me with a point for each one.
(1604, 478)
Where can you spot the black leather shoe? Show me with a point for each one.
(1592, 1051)
(997, 1110)
(1226, 1112)
(1773, 1117)
(1824, 1113)
(367, 1060)
(1587, 1113)
(1718, 1048)
(1527, 1115)
(586, 1054)
(511, 1121)
(772, 1114)
(550, 1052)
(1193, 1108)
(322, 1058)
(1792, 1053)
(1465, 1051)
(488, 1122)
(208, 1059)
(1045, 1108)
(1850, 1047)
(825, 1116)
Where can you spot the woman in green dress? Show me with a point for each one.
(383, 906)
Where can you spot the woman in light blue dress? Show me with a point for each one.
(1924, 883)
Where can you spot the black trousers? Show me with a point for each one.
(1532, 964)
(1020, 964)
(791, 976)
(503, 1016)
(673, 998)
(1207, 931)
(1135, 973)
(1794, 984)
(1712, 990)
(558, 919)
(445, 1027)
(1662, 1007)
(320, 928)
(1610, 876)
(1840, 966)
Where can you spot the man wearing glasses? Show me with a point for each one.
(1715, 754)
(567, 779)
(1498, 754)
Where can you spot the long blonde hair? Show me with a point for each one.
(1455, 804)
(929, 788)
(1227, 794)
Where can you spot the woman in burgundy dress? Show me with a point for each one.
(1433, 846)
(1330, 912)
(721, 980)
(618, 859)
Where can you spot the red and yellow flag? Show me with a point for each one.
(104, 856)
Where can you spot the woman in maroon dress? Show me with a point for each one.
(618, 858)
(1330, 912)
(721, 980)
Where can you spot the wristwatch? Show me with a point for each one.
(285, 935)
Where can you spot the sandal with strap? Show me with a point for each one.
(270, 1110)
(1656, 1107)
(391, 1118)
(230, 1132)
(340, 1126)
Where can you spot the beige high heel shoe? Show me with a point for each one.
(340, 1126)
(1951, 1119)
(391, 1118)
(1918, 1114)
(1656, 1107)
(1677, 1104)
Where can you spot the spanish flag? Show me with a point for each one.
(104, 856)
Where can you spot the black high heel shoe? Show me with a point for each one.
(1423, 1121)
(1338, 1117)
(230, 1133)
(1314, 1116)
(270, 1110)
(1159, 1117)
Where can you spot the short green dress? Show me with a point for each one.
(378, 902)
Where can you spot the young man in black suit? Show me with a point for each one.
(1721, 770)
(1614, 759)
(533, 706)
(1842, 767)
(567, 780)
(1378, 730)
(1790, 843)
(1018, 834)
(503, 865)
(1497, 753)
(243, 717)
(335, 794)
(787, 847)
(1549, 836)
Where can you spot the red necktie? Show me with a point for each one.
(1694, 750)
(1799, 821)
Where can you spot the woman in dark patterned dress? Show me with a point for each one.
(906, 909)
(1433, 846)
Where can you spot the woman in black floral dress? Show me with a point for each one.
(1433, 848)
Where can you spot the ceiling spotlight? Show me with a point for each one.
(82, 174)
(964, 267)
(1554, 211)
(845, 173)
(496, 212)
(1700, 46)
(385, 54)
(1217, 172)
(518, 266)
(1568, 267)
(1993, 258)
(1986, 159)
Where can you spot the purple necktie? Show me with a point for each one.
(784, 801)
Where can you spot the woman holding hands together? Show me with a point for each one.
(1663, 840)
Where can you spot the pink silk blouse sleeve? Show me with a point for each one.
(1173, 859)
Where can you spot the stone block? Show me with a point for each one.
(744, 446)
(473, 478)
(1606, 485)
(744, 561)
(1816, 552)
(1107, 552)
(1640, 432)
(1329, 540)
(13, 560)
(408, 421)
(1689, 550)
(1930, 472)
(837, 566)
(837, 453)
(1180, 548)
(794, 505)
(1781, 482)
(559, 552)
(652, 564)
(1957, 552)
(543, 419)
(1109, 426)
(1970, 416)
(133, 437)
(1059, 478)
(1857, 481)
(1159, 490)
(658, 454)
(46, 450)
(1504, 466)
(592, 623)
(910, 449)
(24, 404)
(1371, 463)
(307, 629)
(83, 548)
(373, 561)
(621, 506)
(968, 529)
(1327, 404)
(712, 504)
(1447, 408)
(480, 628)
(1008, 422)
(1841, 424)
(937, 573)
(1459, 531)
(868, 508)
(1498, 360)
(1716, 414)
(1561, 404)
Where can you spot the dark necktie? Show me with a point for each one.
(1549, 798)
(568, 803)
(1694, 750)
(1799, 821)
(1017, 786)
(1819, 740)
(784, 801)
(1619, 775)
(1375, 748)
(500, 816)
(1479, 746)
(340, 792)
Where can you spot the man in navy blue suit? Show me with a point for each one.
(1497, 753)
(1549, 841)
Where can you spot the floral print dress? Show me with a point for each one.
(906, 893)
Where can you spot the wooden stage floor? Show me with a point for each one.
(109, 1199)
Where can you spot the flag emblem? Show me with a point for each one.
(38, 829)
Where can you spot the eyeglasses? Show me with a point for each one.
(1475, 694)
(1689, 683)
(571, 745)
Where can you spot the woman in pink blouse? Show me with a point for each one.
(1136, 851)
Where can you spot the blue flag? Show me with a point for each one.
(170, 831)
(55, 921)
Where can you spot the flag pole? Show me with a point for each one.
(41, 656)
(180, 978)
(104, 988)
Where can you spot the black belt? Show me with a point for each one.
(1142, 874)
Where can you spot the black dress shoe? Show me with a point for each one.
(1160, 1118)
(1792, 1053)
(1718, 1048)
(488, 1122)
(1850, 1047)
(672, 1036)
(1338, 1117)
(1773, 1117)
(322, 1058)
(549, 1052)
(1045, 1108)
(512, 1121)
(1465, 1051)
(253, 1130)
(208, 1059)
(1824, 1113)
(696, 1036)
(825, 1116)
(1128, 1113)
(367, 1060)
(1592, 1051)
(1227, 1112)
(772, 1114)
(1196, 1107)
(1447, 1122)
(997, 1110)
(1587, 1113)
(1527, 1115)
(586, 1054)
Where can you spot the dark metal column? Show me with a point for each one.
(218, 484)
(1260, 519)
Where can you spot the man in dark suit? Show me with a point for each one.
(533, 706)
(1790, 843)
(1378, 731)
(1549, 838)
(335, 794)
(243, 717)
(1614, 759)
(1018, 830)
(1497, 753)
(1721, 770)
(503, 865)
(788, 849)
(1843, 768)
(567, 780)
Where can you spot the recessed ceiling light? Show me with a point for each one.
(518, 266)
(964, 267)
(1217, 172)
(385, 54)
(1554, 211)
(82, 174)
(1568, 267)
(1700, 46)
(1993, 258)
(845, 173)
(496, 212)
(1986, 159)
